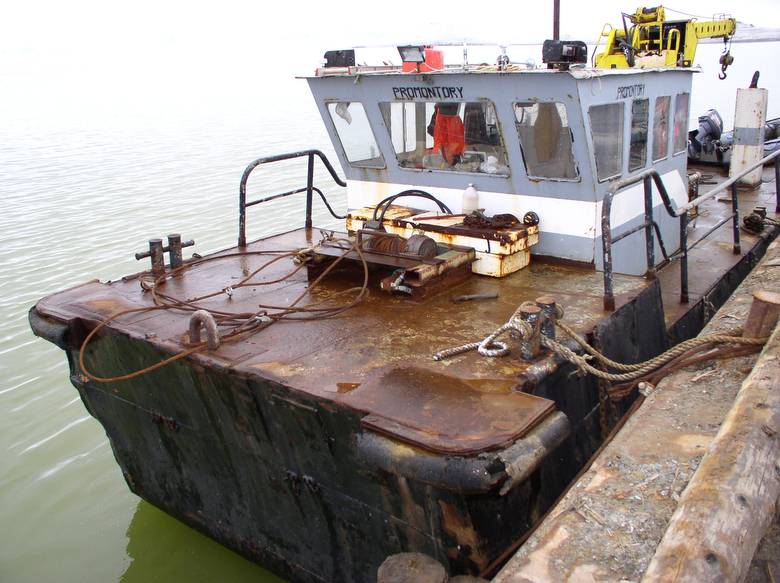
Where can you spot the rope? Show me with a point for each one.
(620, 391)
(661, 359)
(491, 348)
(644, 368)
(239, 324)
(511, 67)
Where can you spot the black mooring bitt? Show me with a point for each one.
(529, 346)
(174, 250)
(157, 255)
(548, 307)
(157, 252)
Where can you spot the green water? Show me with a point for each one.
(77, 203)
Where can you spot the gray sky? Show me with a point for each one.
(98, 56)
(159, 33)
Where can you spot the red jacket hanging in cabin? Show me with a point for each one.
(448, 137)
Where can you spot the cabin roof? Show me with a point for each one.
(576, 73)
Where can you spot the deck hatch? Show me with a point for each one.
(446, 414)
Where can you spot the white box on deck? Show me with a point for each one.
(494, 258)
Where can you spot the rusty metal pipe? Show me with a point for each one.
(276, 196)
(606, 249)
(727, 183)
(466, 474)
(471, 297)
(537, 372)
(309, 189)
(606, 235)
(525, 456)
(530, 378)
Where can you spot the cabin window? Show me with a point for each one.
(637, 153)
(606, 126)
(680, 123)
(461, 137)
(400, 119)
(355, 134)
(546, 140)
(661, 128)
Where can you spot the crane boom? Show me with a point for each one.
(653, 41)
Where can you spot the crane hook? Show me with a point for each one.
(725, 59)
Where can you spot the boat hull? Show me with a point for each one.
(299, 485)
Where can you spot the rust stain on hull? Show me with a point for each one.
(460, 529)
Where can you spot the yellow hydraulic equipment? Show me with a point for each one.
(652, 41)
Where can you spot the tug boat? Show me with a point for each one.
(282, 396)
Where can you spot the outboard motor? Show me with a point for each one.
(704, 138)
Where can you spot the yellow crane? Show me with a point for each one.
(653, 41)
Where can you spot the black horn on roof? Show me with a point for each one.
(342, 58)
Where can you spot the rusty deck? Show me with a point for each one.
(384, 339)
(390, 340)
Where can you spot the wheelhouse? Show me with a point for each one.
(548, 141)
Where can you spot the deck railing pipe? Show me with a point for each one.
(737, 249)
(684, 258)
(606, 225)
(777, 185)
(649, 241)
(606, 246)
(681, 212)
(727, 184)
(309, 189)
